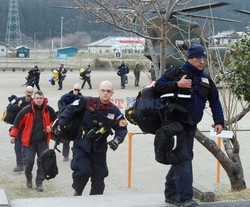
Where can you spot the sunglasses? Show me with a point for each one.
(201, 58)
(77, 90)
(106, 90)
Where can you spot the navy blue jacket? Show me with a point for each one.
(93, 113)
(123, 69)
(67, 99)
(203, 89)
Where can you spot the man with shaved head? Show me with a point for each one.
(17, 105)
(99, 116)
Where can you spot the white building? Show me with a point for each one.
(3, 49)
(225, 38)
(114, 44)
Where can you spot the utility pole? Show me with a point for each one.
(13, 31)
(62, 31)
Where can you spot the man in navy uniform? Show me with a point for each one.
(61, 76)
(64, 101)
(86, 77)
(99, 117)
(190, 77)
(123, 70)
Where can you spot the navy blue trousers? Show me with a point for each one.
(29, 158)
(179, 180)
(123, 80)
(19, 152)
(65, 149)
(88, 80)
(88, 165)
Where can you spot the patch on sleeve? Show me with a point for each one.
(111, 116)
(75, 103)
(205, 80)
(13, 101)
(123, 123)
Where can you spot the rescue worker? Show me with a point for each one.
(36, 121)
(99, 117)
(179, 180)
(17, 105)
(123, 70)
(86, 77)
(34, 77)
(65, 100)
(137, 72)
(152, 73)
(61, 76)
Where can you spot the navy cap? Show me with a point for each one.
(196, 50)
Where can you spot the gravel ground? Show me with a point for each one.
(147, 174)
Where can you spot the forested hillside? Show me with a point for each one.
(38, 18)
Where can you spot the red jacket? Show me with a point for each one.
(24, 120)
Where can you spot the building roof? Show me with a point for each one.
(19, 47)
(106, 42)
(112, 40)
(63, 48)
(226, 34)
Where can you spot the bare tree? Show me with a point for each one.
(233, 80)
(141, 17)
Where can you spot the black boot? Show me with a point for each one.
(76, 193)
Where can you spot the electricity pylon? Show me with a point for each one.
(13, 31)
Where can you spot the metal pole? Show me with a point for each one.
(62, 31)
(218, 163)
(130, 137)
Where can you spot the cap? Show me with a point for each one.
(196, 50)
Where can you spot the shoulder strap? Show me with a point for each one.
(174, 72)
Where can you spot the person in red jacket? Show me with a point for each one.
(34, 121)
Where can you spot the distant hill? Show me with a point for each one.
(41, 20)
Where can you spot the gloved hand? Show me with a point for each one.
(113, 144)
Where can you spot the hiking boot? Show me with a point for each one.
(188, 203)
(65, 158)
(18, 169)
(39, 188)
(170, 200)
(29, 183)
(76, 193)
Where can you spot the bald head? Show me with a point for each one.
(107, 85)
(106, 91)
(28, 92)
(77, 86)
(29, 89)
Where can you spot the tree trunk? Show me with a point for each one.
(230, 162)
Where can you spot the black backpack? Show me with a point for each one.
(47, 160)
(9, 115)
(167, 142)
(145, 111)
(70, 132)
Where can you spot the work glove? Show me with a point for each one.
(113, 144)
